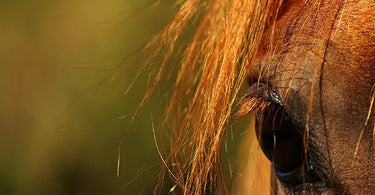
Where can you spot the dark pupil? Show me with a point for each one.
(277, 138)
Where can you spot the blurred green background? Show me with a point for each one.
(65, 97)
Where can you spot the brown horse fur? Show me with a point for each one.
(322, 62)
(318, 54)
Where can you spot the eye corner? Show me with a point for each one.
(301, 175)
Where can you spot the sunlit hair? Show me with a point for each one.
(210, 75)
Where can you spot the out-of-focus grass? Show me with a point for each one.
(62, 104)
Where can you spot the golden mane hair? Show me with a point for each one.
(213, 68)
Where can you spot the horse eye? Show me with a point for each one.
(277, 138)
(281, 143)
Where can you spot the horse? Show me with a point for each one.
(309, 70)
